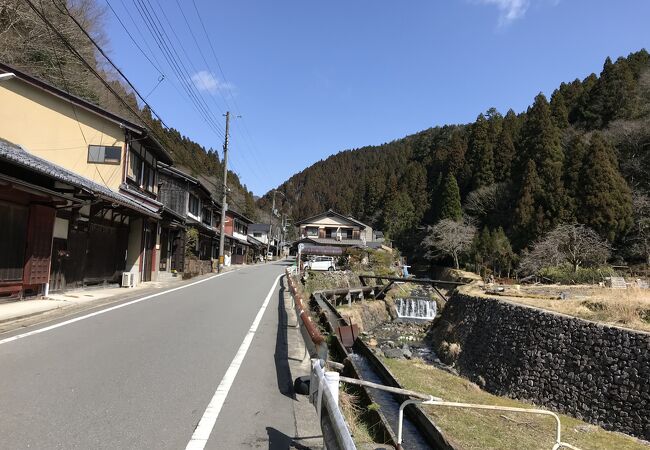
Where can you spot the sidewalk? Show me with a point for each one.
(23, 313)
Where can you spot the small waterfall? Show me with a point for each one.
(416, 308)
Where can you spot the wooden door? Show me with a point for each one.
(149, 242)
(39, 245)
(13, 223)
(165, 246)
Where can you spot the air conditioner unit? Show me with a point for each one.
(128, 279)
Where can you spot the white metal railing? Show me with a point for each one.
(439, 402)
(324, 394)
(426, 399)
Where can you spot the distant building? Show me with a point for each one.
(336, 230)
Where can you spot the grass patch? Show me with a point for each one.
(628, 308)
(484, 430)
(353, 411)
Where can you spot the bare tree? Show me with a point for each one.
(640, 235)
(487, 201)
(575, 244)
(449, 237)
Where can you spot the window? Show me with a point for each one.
(148, 178)
(257, 235)
(312, 231)
(240, 227)
(348, 233)
(102, 154)
(142, 168)
(135, 167)
(194, 205)
(206, 216)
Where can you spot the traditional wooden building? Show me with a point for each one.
(187, 204)
(57, 227)
(237, 245)
(98, 241)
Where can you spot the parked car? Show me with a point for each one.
(321, 263)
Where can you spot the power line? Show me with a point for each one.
(103, 53)
(159, 41)
(225, 79)
(76, 53)
(253, 170)
(153, 55)
(171, 54)
(133, 40)
(71, 48)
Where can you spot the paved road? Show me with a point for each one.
(141, 376)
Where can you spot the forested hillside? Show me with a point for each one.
(581, 157)
(29, 45)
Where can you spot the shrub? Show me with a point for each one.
(191, 241)
(566, 274)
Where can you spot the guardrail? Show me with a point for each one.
(315, 338)
(323, 386)
(324, 394)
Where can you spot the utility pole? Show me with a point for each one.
(224, 197)
(268, 240)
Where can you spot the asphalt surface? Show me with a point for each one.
(141, 376)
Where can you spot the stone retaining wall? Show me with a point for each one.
(595, 372)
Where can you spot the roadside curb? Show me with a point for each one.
(14, 323)
(27, 316)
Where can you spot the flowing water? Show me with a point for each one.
(389, 405)
(416, 308)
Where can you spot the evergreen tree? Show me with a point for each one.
(613, 95)
(606, 199)
(504, 154)
(481, 153)
(415, 181)
(450, 207)
(456, 153)
(399, 212)
(526, 211)
(495, 124)
(484, 248)
(502, 254)
(576, 153)
(582, 112)
(541, 143)
(559, 110)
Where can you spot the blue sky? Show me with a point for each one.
(314, 78)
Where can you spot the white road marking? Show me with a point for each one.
(96, 313)
(206, 424)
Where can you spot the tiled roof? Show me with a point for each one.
(331, 212)
(330, 241)
(255, 242)
(18, 156)
(258, 228)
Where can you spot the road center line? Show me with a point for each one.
(112, 308)
(206, 424)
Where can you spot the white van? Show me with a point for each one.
(321, 263)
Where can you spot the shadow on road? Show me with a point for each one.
(280, 441)
(282, 369)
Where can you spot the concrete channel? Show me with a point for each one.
(419, 432)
